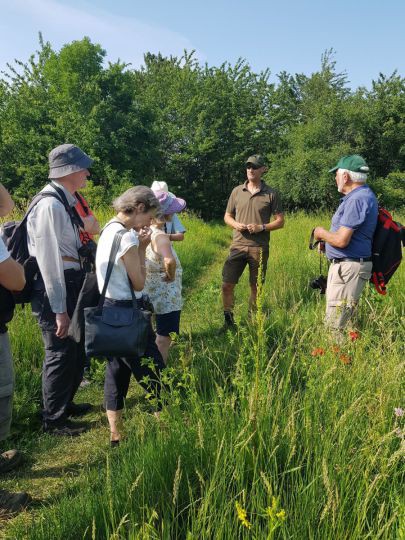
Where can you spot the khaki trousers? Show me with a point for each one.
(346, 281)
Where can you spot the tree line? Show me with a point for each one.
(193, 126)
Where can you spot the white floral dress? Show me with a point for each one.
(165, 297)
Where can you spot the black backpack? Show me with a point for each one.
(14, 235)
(389, 237)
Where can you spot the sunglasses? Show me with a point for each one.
(252, 166)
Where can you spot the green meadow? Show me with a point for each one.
(267, 433)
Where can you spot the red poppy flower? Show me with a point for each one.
(353, 335)
(318, 352)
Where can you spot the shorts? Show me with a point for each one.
(167, 323)
(239, 258)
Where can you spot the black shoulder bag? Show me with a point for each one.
(116, 330)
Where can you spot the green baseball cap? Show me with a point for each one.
(352, 163)
(256, 160)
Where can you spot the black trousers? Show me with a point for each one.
(119, 369)
(64, 359)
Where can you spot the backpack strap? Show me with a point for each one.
(73, 214)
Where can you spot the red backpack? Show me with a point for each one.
(389, 237)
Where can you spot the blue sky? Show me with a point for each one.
(368, 36)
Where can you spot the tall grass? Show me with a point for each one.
(266, 432)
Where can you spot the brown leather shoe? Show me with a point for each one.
(9, 460)
(11, 503)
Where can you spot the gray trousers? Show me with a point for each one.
(64, 360)
(6, 386)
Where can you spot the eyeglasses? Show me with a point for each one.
(252, 166)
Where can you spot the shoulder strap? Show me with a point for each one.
(74, 216)
(82, 203)
(35, 201)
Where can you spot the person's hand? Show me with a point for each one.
(90, 224)
(167, 278)
(240, 226)
(62, 325)
(253, 228)
(318, 232)
(144, 236)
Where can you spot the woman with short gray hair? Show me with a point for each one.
(134, 211)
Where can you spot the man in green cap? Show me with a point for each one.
(248, 213)
(348, 243)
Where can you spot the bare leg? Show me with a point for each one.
(228, 297)
(115, 421)
(252, 298)
(163, 344)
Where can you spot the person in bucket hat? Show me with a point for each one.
(174, 227)
(164, 273)
(248, 213)
(348, 243)
(54, 240)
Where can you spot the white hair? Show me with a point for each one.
(359, 177)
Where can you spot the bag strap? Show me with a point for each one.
(35, 201)
(71, 210)
(111, 261)
(86, 209)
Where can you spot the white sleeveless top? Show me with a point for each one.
(165, 297)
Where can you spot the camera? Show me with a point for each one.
(320, 283)
(87, 254)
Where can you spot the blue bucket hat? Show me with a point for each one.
(66, 159)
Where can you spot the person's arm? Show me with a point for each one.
(6, 202)
(161, 245)
(231, 222)
(134, 262)
(338, 239)
(230, 214)
(178, 230)
(50, 222)
(176, 237)
(277, 223)
(91, 225)
(12, 275)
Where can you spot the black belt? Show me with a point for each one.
(349, 259)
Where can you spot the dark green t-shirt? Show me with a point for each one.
(258, 208)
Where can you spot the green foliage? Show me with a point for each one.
(193, 125)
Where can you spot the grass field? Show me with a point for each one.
(267, 433)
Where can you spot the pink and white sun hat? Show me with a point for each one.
(159, 186)
(169, 203)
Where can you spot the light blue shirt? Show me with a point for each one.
(358, 210)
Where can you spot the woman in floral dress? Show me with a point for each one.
(164, 274)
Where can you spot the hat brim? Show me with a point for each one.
(334, 169)
(59, 172)
(177, 205)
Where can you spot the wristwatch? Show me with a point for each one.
(263, 227)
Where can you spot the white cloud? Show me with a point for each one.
(122, 37)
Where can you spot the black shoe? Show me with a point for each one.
(114, 444)
(65, 429)
(10, 503)
(9, 460)
(78, 409)
(229, 322)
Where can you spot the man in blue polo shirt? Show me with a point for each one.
(348, 243)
